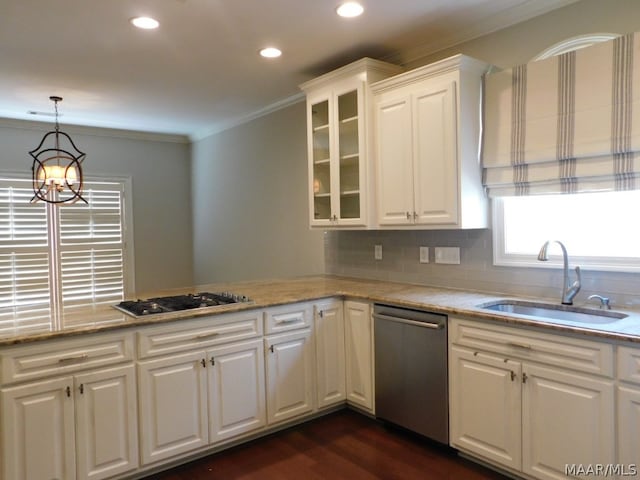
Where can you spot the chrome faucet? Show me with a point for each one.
(569, 291)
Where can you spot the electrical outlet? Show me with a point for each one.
(377, 252)
(449, 255)
(424, 254)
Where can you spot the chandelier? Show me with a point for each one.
(57, 169)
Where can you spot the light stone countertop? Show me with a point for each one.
(274, 292)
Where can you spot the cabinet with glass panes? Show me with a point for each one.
(339, 142)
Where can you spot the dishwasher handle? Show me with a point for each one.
(434, 326)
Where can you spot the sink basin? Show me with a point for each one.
(562, 313)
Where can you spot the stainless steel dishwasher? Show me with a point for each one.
(411, 370)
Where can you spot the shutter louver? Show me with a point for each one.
(92, 252)
(24, 260)
(83, 243)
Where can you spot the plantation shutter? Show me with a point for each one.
(25, 300)
(91, 249)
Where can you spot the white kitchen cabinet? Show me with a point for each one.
(359, 355)
(80, 427)
(289, 375)
(339, 143)
(567, 418)
(38, 431)
(80, 424)
(173, 405)
(427, 130)
(200, 382)
(237, 402)
(485, 405)
(628, 404)
(530, 402)
(330, 352)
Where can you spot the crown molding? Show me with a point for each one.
(234, 122)
(95, 131)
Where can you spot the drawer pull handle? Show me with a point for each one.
(513, 375)
(77, 358)
(288, 320)
(519, 345)
(204, 336)
(524, 377)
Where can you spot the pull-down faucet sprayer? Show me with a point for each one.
(568, 291)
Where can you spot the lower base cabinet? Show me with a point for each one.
(191, 400)
(359, 354)
(290, 377)
(529, 417)
(75, 427)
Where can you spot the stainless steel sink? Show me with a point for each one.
(550, 312)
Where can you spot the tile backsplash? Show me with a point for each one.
(351, 253)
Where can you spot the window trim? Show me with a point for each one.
(502, 259)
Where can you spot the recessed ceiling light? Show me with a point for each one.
(270, 52)
(350, 9)
(146, 23)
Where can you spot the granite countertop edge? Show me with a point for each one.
(277, 292)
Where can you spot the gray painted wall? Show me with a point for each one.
(250, 202)
(160, 174)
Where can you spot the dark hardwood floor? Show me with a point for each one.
(341, 445)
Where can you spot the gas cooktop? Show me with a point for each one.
(176, 303)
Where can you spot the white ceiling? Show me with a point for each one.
(200, 71)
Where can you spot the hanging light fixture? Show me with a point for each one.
(56, 171)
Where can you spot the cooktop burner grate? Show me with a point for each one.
(176, 303)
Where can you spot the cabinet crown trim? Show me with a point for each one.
(452, 64)
(364, 65)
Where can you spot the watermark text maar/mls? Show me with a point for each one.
(601, 469)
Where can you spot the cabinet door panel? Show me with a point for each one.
(330, 353)
(394, 162)
(629, 425)
(567, 418)
(359, 354)
(106, 422)
(485, 399)
(172, 406)
(435, 157)
(289, 375)
(38, 431)
(236, 389)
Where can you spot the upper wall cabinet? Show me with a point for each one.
(427, 129)
(339, 144)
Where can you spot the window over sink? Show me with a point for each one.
(600, 230)
(58, 263)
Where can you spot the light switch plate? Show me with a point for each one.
(449, 255)
(377, 252)
(424, 254)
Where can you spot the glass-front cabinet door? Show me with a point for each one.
(339, 139)
(321, 161)
(336, 145)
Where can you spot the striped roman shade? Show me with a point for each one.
(566, 124)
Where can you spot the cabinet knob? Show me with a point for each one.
(213, 362)
(415, 216)
(81, 389)
(524, 377)
(513, 375)
(68, 390)
(204, 363)
(271, 348)
(408, 216)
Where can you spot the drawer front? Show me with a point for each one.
(57, 357)
(288, 317)
(188, 334)
(577, 354)
(629, 364)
